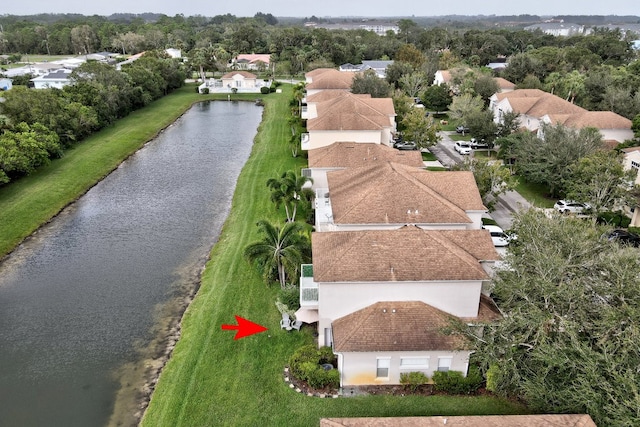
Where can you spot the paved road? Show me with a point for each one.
(507, 203)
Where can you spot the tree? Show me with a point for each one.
(546, 161)
(568, 340)
(289, 190)
(491, 178)
(509, 123)
(463, 105)
(419, 128)
(25, 148)
(369, 82)
(600, 180)
(482, 126)
(437, 97)
(280, 252)
(410, 54)
(413, 84)
(485, 87)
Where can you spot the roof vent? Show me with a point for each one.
(384, 310)
(393, 311)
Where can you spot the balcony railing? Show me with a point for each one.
(308, 288)
(304, 139)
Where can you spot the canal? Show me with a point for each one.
(85, 301)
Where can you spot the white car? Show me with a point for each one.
(569, 206)
(462, 147)
(498, 236)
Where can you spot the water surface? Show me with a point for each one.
(81, 297)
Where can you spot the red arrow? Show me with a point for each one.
(244, 327)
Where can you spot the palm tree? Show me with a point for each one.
(289, 190)
(281, 250)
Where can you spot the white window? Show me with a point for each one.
(382, 368)
(414, 363)
(444, 363)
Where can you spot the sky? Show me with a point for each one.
(323, 8)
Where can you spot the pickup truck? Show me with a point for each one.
(475, 143)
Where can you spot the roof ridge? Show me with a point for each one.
(409, 175)
(455, 249)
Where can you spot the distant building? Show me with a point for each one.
(380, 67)
(560, 29)
(57, 79)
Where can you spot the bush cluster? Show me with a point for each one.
(453, 382)
(290, 296)
(306, 365)
(616, 219)
(413, 380)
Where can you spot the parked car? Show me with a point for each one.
(570, 206)
(462, 129)
(478, 143)
(623, 236)
(462, 147)
(406, 145)
(498, 236)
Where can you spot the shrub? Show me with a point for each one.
(493, 374)
(306, 353)
(290, 296)
(615, 219)
(326, 356)
(453, 382)
(205, 91)
(264, 90)
(413, 380)
(318, 378)
(306, 365)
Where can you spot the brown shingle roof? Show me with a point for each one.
(330, 79)
(487, 311)
(594, 119)
(537, 103)
(353, 112)
(352, 155)
(630, 149)
(391, 193)
(406, 254)
(563, 420)
(395, 326)
(326, 95)
(504, 83)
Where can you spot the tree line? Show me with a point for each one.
(37, 125)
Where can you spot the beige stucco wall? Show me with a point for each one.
(633, 156)
(360, 368)
(335, 300)
(620, 135)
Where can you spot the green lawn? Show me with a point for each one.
(536, 194)
(212, 379)
(427, 156)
